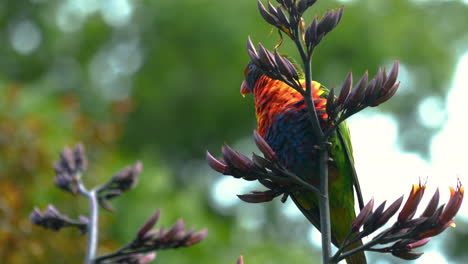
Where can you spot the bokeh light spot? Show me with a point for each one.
(431, 112)
(116, 13)
(25, 37)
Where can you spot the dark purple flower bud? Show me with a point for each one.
(329, 21)
(252, 52)
(66, 183)
(418, 243)
(389, 86)
(346, 88)
(283, 19)
(263, 146)
(266, 59)
(432, 205)
(68, 169)
(311, 38)
(127, 178)
(392, 77)
(406, 254)
(370, 224)
(216, 165)
(285, 67)
(268, 183)
(194, 239)
(240, 260)
(330, 106)
(362, 216)
(391, 210)
(303, 5)
(261, 163)
(148, 225)
(175, 232)
(414, 198)
(387, 95)
(374, 87)
(236, 160)
(52, 219)
(452, 207)
(258, 196)
(357, 94)
(269, 18)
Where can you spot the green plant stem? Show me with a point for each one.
(324, 205)
(325, 224)
(93, 223)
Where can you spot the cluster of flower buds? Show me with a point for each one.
(122, 181)
(148, 240)
(52, 219)
(274, 65)
(318, 29)
(267, 170)
(70, 167)
(287, 17)
(350, 101)
(407, 233)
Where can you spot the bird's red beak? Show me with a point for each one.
(244, 89)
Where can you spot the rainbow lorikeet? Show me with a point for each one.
(283, 122)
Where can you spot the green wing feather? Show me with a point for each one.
(345, 137)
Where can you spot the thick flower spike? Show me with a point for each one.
(148, 240)
(407, 233)
(52, 219)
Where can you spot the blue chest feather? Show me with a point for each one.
(291, 137)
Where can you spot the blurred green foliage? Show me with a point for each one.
(158, 81)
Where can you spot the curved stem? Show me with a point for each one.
(93, 223)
